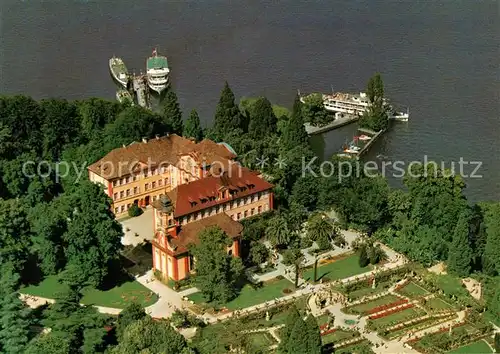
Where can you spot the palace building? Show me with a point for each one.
(141, 172)
(191, 186)
(220, 201)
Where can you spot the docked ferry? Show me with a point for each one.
(118, 70)
(157, 72)
(356, 104)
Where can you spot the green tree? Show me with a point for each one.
(277, 231)
(50, 343)
(132, 124)
(304, 337)
(262, 119)
(149, 336)
(375, 117)
(93, 235)
(172, 113)
(460, 252)
(363, 257)
(130, 314)
(295, 133)
(491, 263)
(84, 326)
(313, 336)
(24, 117)
(193, 126)
(49, 223)
(227, 114)
(14, 323)
(217, 272)
(14, 234)
(293, 317)
(61, 126)
(320, 227)
(258, 252)
(94, 114)
(314, 111)
(305, 191)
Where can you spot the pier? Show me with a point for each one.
(141, 91)
(337, 123)
(374, 137)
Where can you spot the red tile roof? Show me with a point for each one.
(184, 196)
(189, 233)
(159, 151)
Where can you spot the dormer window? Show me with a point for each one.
(193, 203)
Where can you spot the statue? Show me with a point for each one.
(373, 283)
(268, 317)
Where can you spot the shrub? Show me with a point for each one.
(305, 242)
(363, 257)
(134, 211)
(323, 243)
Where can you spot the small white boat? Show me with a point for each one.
(364, 137)
(124, 96)
(401, 116)
(351, 151)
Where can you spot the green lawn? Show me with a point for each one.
(395, 318)
(261, 340)
(436, 304)
(478, 347)
(413, 290)
(340, 269)
(379, 288)
(364, 308)
(250, 296)
(118, 297)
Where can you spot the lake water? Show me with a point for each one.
(440, 58)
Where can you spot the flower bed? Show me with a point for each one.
(387, 306)
(390, 312)
(328, 331)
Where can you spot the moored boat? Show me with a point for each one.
(124, 96)
(364, 137)
(157, 72)
(118, 70)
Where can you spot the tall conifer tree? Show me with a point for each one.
(193, 126)
(227, 114)
(172, 112)
(459, 252)
(295, 133)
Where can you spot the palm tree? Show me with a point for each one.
(319, 227)
(277, 231)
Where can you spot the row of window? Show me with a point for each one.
(137, 190)
(225, 207)
(130, 179)
(124, 207)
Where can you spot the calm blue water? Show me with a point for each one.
(438, 57)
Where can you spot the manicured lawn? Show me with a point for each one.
(364, 308)
(413, 290)
(379, 288)
(436, 304)
(261, 340)
(340, 269)
(250, 296)
(478, 347)
(118, 297)
(395, 318)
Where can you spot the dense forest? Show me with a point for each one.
(63, 225)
